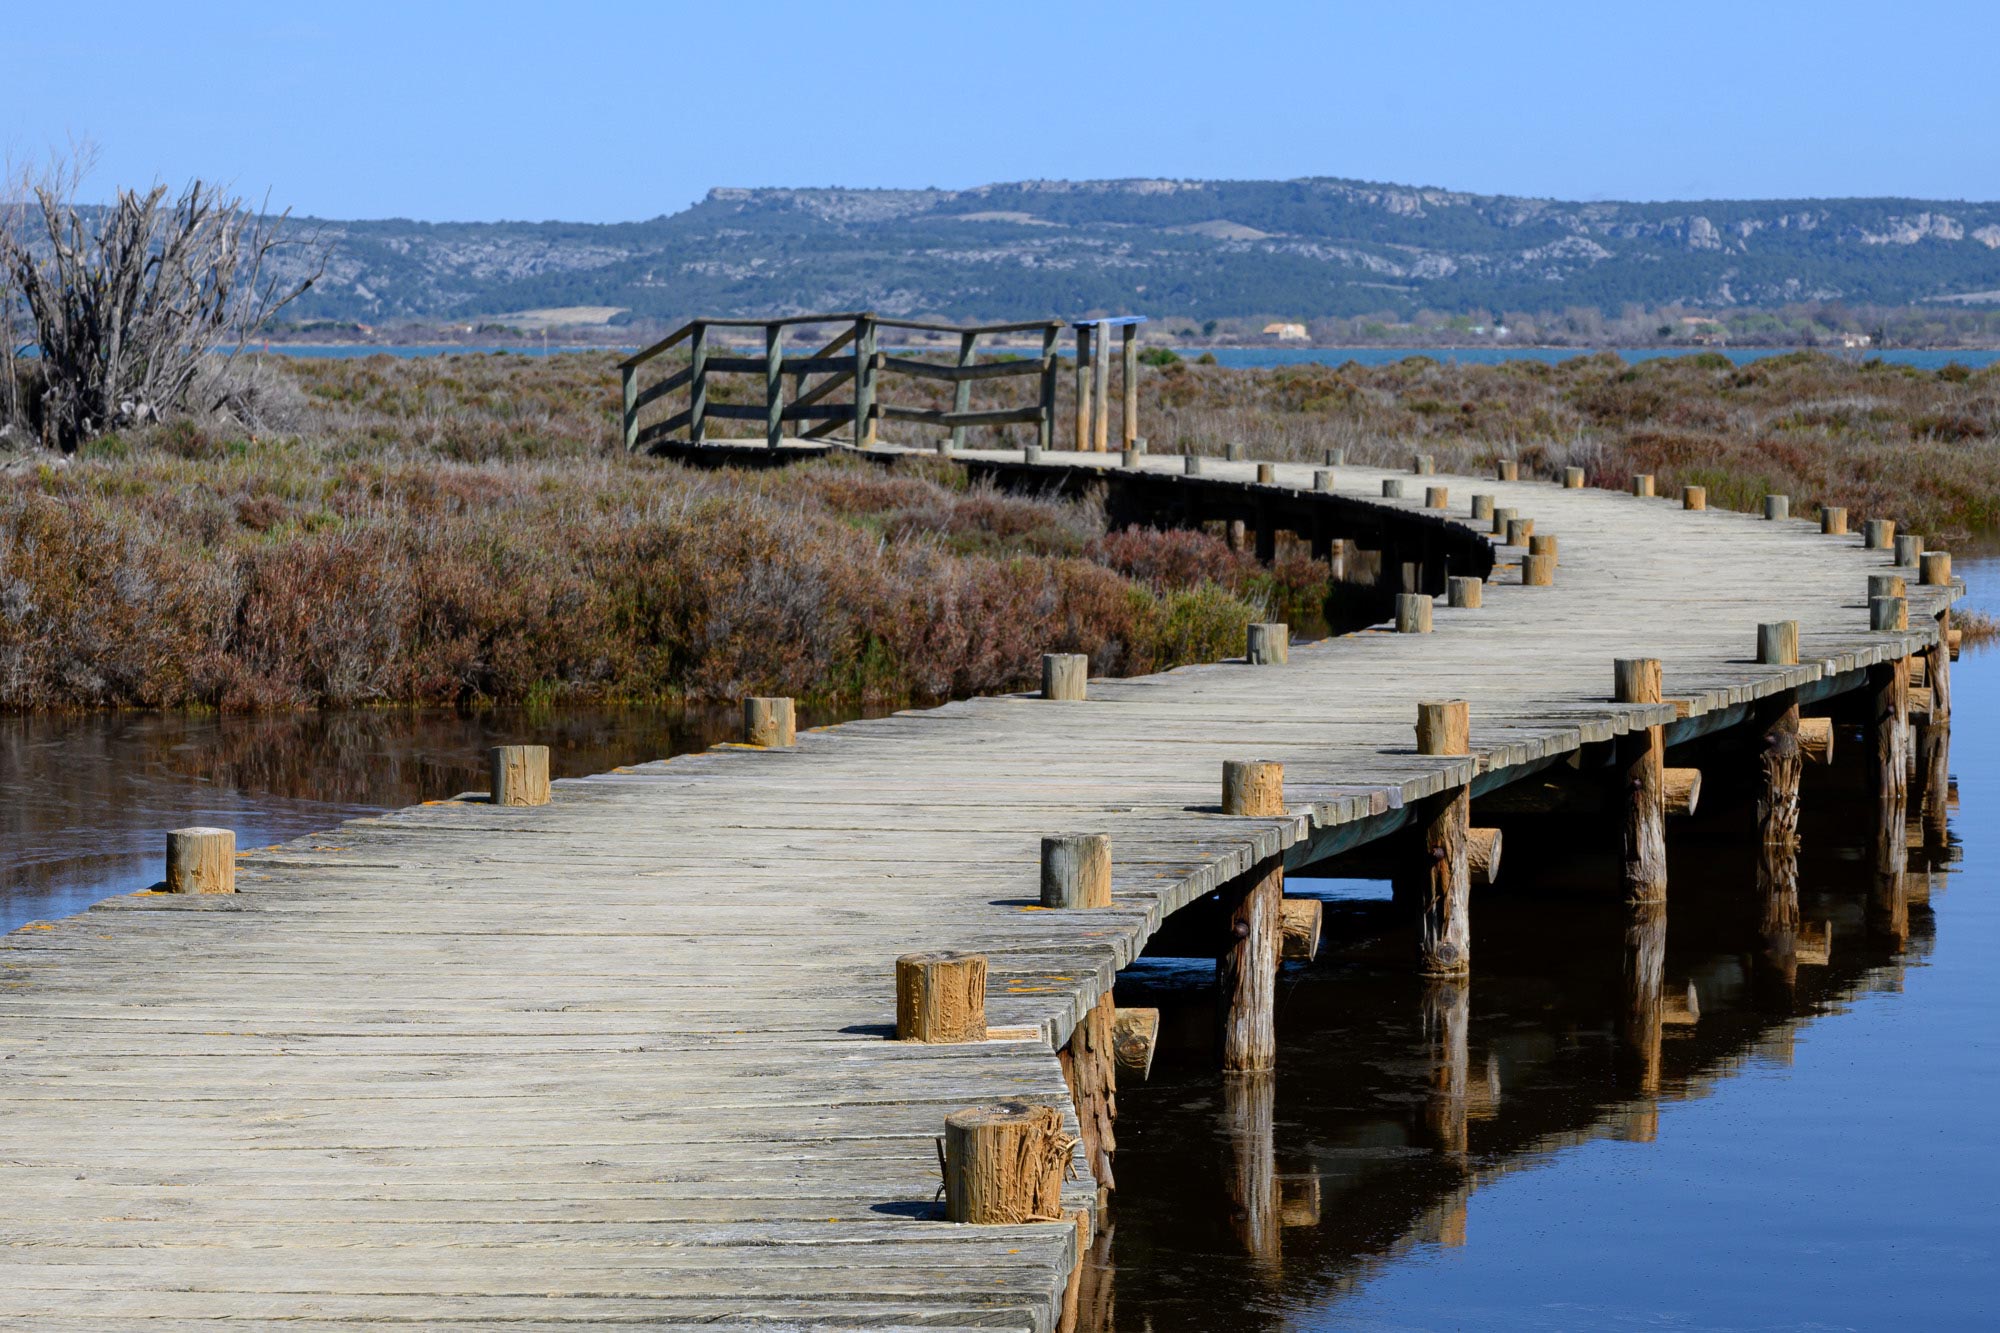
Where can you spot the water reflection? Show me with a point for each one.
(1592, 1014)
(89, 798)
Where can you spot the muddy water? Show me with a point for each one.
(88, 799)
(1817, 1150)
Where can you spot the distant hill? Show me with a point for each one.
(1197, 249)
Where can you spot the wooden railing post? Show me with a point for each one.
(1642, 765)
(774, 384)
(629, 382)
(698, 384)
(961, 392)
(1444, 823)
(1045, 425)
(1083, 388)
(1100, 407)
(864, 381)
(1246, 974)
(1129, 417)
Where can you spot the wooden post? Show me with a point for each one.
(1247, 971)
(1519, 530)
(520, 774)
(1299, 927)
(1004, 1164)
(1083, 332)
(1642, 762)
(201, 860)
(864, 382)
(698, 384)
(1045, 424)
(1694, 497)
(1936, 569)
(1889, 722)
(1878, 534)
(1437, 497)
(1444, 728)
(628, 377)
(1543, 543)
(1888, 614)
(1909, 548)
(1507, 469)
(1778, 643)
(1482, 509)
(1889, 893)
(1465, 590)
(961, 392)
(1833, 520)
(1268, 644)
(1642, 485)
(1392, 488)
(1501, 518)
(1538, 571)
(1572, 478)
(1413, 613)
(1076, 871)
(1934, 739)
(1090, 1068)
(1777, 507)
(1267, 473)
(1065, 675)
(1128, 417)
(941, 997)
(1100, 407)
(1779, 763)
(1885, 585)
(1191, 465)
(1323, 479)
(768, 722)
(774, 384)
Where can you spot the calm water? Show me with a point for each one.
(1818, 1153)
(1813, 1153)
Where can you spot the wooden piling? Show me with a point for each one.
(1335, 458)
(1778, 643)
(1004, 1164)
(768, 722)
(1246, 972)
(1888, 613)
(1878, 534)
(1100, 407)
(1936, 569)
(1543, 543)
(519, 774)
(1413, 613)
(1833, 520)
(1465, 590)
(1447, 1026)
(1642, 485)
(1777, 507)
(1423, 465)
(1519, 530)
(1255, 1210)
(1065, 676)
(1437, 497)
(1482, 509)
(1642, 758)
(1128, 410)
(1323, 479)
(1090, 1068)
(201, 860)
(1501, 518)
(1191, 465)
(1507, 469)
(1392, 488)
(1083, 336)
(1909, 548)
(1779, 763)
(1645, 973)
(1128, 457)
(1235, 451)
(1268, 644)
(1076, 871)
(1444, 821)
(1694, 497)
(1572, 478)
(1933, 739)
(1885, 585)
(1538, 571)
(941, 997)
(774, 384)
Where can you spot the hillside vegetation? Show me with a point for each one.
(1181, 250)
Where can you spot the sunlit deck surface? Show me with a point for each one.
(625, 1058)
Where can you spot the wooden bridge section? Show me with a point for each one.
(630, 1057)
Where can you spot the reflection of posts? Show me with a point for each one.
(1645, 977)
(1249, 1102)
(1889, 896)
(1778, 891)
(1447, 1043)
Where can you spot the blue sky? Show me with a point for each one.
(605, 112)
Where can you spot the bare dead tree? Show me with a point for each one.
(129, 303)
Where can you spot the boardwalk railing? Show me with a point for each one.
(849, 362)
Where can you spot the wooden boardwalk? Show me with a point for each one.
(622, 1058)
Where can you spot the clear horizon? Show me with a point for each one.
(451, 113)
